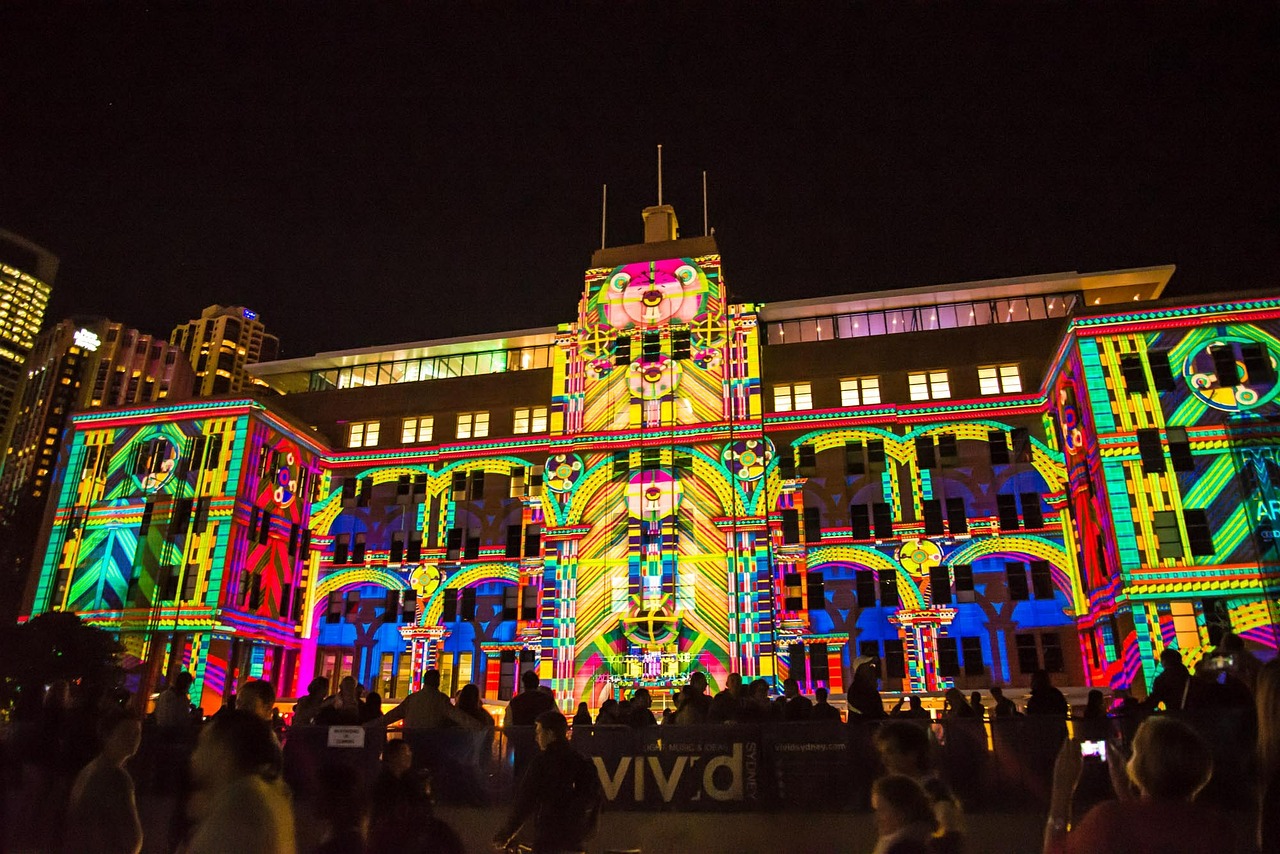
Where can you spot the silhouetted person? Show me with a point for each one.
(822, 710)
(306, 709)
(1095, 707)
(258, 698)
(583, 716)
(904, 749)
(102, 817)
(524, 708)
(371, 707)
(694, 702)
(1004, 708)
(724, 706)
(915, 708)
(609, 714)
(343, 708)
(975, 703)
(639, 715)
(955, 705)
(173, 706)
(426, 708)
(1045, 698)
(795, 706)
(904, 817)
(863, 696)
(1173, 687)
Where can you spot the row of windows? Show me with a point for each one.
(921, 385)
(1035, 651)
(1254, 357)
(433, 368)
(931, 452)
(421, 428)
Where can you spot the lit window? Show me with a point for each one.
(999, 379)
(417, 429)
(363, 434)
(533, 420)
(859, 391)
(789, 397)
(929, 385)
(473, 425)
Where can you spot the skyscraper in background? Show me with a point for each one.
(27, 272)
(220, 343)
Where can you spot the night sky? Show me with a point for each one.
(366, 177)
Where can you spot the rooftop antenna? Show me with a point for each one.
(659, 173)
(704, 203)
(604, 211)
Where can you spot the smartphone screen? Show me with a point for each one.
(1094, 750)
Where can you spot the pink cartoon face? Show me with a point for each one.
(653, 495)
(652, 293)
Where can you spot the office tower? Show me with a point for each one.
(26, 279)
(220, 343)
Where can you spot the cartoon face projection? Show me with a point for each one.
(918, 555)
(653, 379)
(652, 293)
(653, 495)
(156, 461)
(562, 472)
(747, 459)
(1202, 377)
(286, 478)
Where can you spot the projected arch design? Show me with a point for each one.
(868, 558)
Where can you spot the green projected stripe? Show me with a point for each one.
(1209, 484)
(1099, 401)
(1121, 513)
(1229, 537)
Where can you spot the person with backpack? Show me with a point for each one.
(560, 791)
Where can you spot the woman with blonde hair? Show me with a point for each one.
(1267, 699)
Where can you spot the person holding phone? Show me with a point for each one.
(1155, 789)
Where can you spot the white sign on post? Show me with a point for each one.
(346, 736)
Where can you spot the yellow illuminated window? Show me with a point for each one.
(797, 396)
(929, 385)
(418, 429)
(363, 434)
(859, 391)
(532, 420)
(473, 425)
(999, 379)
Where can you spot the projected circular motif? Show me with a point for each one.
(651, 628)
(918, 555)
(653, 495)
(562, 472)
(653, 379)
(653, 293)
(286, 479)
(1202, 378)
(425, 579)
(157, 460)
(747, 459)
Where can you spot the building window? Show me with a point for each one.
(417, 429)
(999, 379)
(363, 434)
(859, 391)
(531, 420)
(1168, 534)
(787, 398)
(1199, 534)
(929, 385)
(473, 425)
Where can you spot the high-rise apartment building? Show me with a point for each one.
(26, 280)
(220, 343)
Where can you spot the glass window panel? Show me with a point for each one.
(384, 373)
(453, 366)
(802, 396)
(782, 398)
(946, 317)
(988, 381)
(411, 370)
(808, 329)
(940, 385)
(1035, 308)
(1010, 381)
(981, 313)
(481, 424)
(484, 363)
(825, 329)
(849, 393)
(875, 323)
(918, 384)
(1018, 311)
(870, 390)
(844, 326)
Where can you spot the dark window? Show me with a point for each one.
(680, 344)
(860, 521)
(948, 657)
(1042, 579)
(871, 649)
(357, 548)
(1031, 516)
(453, 544)
(853, 460)
(1151, 451)
(180, 517)
(651, 346)
(895, 659)
(450, 605)
(1199, 534)
(366, 492)
(817, 592)
(1028, 657)
(866, 588)
(947, 448)
(889, 587)
(882, 514)
(998, 443)
(1225, 365)
(1016, 579)
(925, 455)
(305, 548)
(413, 552)
(189, 582)
(790, 526)
(1180, 449)
(621, 462)
(1257, 363)
(1135, 378)
(819, 668)
(510, 605)
(471, 549)
(533, 542)
(651, 458)
(933, 516)
(1021, 445)
(514, 536)
(807, 461)
(348, 492)
(467, 607)
(397, 547)
(875, 452)
(1007, 508)
(459, 485)
(964, 582)
(475, 486)
(957, 518)
(1161, 373)
(940, 585)
(1168, 534)
(264, 533)
(341, 544)
(972, 647)
(529, 604)
(622, 350)
(409, 606)
(295, 531)
(1052, 644)
(812, 525)
(793, 601)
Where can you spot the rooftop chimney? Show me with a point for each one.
(660, 224)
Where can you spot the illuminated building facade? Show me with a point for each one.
(220, 343)
(26, 281)
(674, 482)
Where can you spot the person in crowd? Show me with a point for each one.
(306, 709)
(240, 808)
(173, 706)
(582, 717)
(904, 817)
(469, 704)
(639, 714)
(795, 706)
(403, 819)
(1004, 707)
(863, 696)
(609, 714)
(102, 817)
(258, 698)
(915, 708)
(1170, 764)
(724, 705)
(1123, 702)
(669, 715)
(694, 702)
(1045, 698)
(1174, 687)
(524, 708)
(343, 811)
(370, 707)
(561, 792)
(822, 710)
(1267, 702)
(904, 749)
(955, 706)
(975, 703)
(1236, 660)
(426, 708)
(1095, 707)
(343, 708)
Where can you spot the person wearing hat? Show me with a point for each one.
(863, 696)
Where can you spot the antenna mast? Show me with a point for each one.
(604, 211)
(659, 173)
(704, 203)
